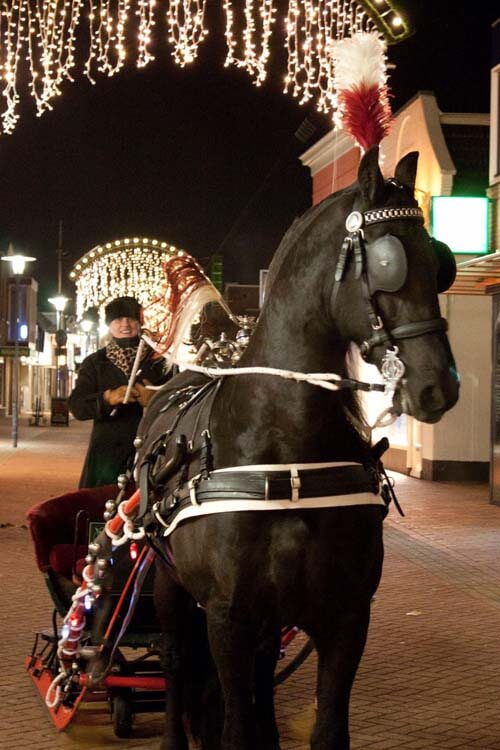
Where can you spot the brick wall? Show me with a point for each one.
(336, 176)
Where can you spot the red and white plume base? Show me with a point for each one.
(360, 80)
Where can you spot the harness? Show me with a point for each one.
(275, 487)
(381, 266)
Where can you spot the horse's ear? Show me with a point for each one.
(406, 170)
(371, 181)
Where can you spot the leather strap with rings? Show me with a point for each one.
(406, 331)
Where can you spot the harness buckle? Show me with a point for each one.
(295, 484)
(192, 484)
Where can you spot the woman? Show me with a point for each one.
(100, 391)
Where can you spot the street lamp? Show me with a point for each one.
(60, 302)
(17, 266)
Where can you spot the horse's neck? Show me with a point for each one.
(268, 419)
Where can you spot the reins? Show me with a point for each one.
(327, 380)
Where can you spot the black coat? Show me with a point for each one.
(111, 441)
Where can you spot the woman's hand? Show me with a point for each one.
(115, 396)
(144, 395)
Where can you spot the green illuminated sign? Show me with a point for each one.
(461, 222)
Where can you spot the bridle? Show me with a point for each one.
(391, 257)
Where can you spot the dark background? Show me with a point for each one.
(199, 156)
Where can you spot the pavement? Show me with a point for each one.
(429, 679)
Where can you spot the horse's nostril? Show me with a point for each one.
(432, 398)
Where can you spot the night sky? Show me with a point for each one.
(199, 156)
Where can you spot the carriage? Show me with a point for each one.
(283, 434)
(61, 529)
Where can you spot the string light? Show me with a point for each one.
(38, 41)
(120, 268)
(186, 29)
(313, 27)
(259, 20)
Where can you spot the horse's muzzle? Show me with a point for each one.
(428, 402)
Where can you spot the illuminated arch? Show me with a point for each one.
(132, 266)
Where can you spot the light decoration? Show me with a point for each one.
(106, 37)
(44, 43)
(313, 29)
(186, 29)
(124, 267)
(146, 24)
(259, 18)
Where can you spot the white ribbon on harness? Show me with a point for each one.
(234, 506)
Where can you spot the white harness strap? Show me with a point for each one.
(285, 467)
(293, 502)
(232, 506)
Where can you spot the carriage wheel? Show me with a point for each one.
(123, 715)
(294, 663)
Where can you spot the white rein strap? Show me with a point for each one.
(328, 380)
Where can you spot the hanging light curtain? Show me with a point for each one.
(43, 43)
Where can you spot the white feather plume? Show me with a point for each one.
(361, 57)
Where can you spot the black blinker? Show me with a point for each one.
(447, 269)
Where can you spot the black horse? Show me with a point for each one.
(252, 572)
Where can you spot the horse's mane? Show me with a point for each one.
(350, 400)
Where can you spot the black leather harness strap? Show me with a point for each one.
(406, 331)
(158, 448)
(204, 398)
(277, 485)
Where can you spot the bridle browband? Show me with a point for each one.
(377, 215)
(354, 249)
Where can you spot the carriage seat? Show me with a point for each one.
(60, 544)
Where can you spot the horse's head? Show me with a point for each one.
(394, 270)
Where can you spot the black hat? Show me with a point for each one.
(122, 307)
